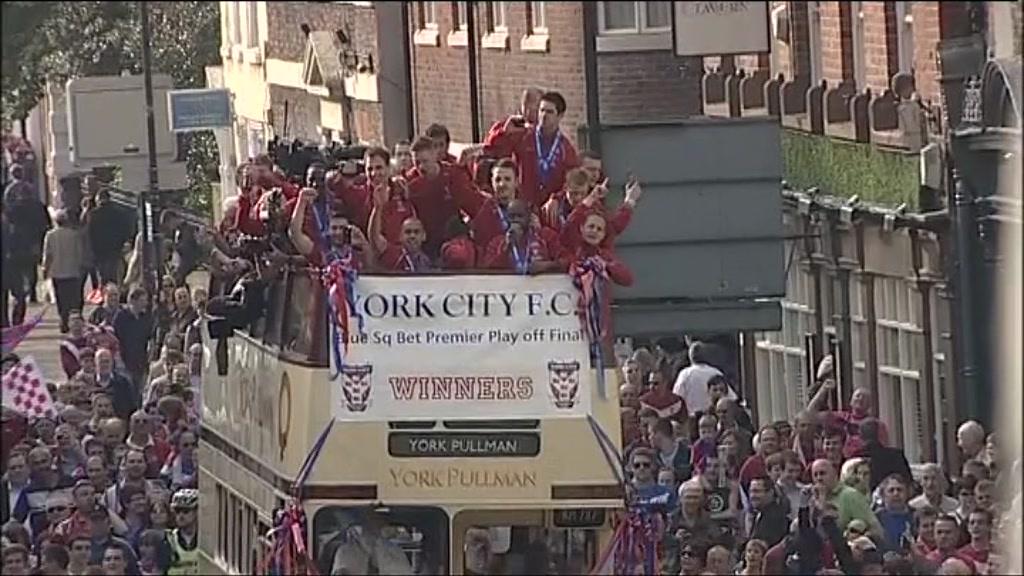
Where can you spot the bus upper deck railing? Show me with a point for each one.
(295, 323)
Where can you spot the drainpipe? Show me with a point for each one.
(590, 79)
(474, 90)
(841, 314)
(410, 64)
(969, 395)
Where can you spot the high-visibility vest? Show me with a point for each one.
(184, 562)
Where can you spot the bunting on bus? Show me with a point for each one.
(463, 347)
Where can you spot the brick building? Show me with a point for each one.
(315, 71)
(521, 44)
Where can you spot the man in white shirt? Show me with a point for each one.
(933, 485)
(692, 382)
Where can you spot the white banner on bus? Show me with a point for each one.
(464, 347)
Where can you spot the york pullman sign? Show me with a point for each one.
(463, 445)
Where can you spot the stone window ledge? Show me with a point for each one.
(497, 40)
(536, 42)
(458, 38)
(426, 37)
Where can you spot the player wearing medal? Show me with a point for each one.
(544, 155)
(527, 247)
(404, 256)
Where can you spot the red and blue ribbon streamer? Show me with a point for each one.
(288, 536)
(590, 276)
(339, 278)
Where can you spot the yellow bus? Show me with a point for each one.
(462, 440)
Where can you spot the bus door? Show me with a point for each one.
(534, 541)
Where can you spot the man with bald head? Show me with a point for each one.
(121, 390)
(407, 254)
(524, 248)
(529, 101)
(970, 438)
(861, 408)
(848, 502)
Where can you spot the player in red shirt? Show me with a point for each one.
(439, 134)
(593, 232)
(459, 252)
(529, 102)
(526, 248)
(488, 213)
(544, 155)
(404, 256)
(434, 187)
(341, 234)
(594, 204)
(401, 157)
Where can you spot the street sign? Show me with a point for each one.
(202, 109)
(720, 28)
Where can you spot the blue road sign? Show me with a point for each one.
(203, 109)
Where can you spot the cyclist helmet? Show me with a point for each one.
(185, 498)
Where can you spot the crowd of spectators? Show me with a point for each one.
(821, 493)
(107, 484)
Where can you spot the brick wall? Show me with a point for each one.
(285, 40)
(440, 81)
(367, 119)
(505, 74)
(303, 113)
(831, 44)
(798, 54)
(926, 38)
(876, 45)
(836, 42)
(441, 74)
(648, 86)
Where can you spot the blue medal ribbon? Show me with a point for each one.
(522, 262)
(545, 162)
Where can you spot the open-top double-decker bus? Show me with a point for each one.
(463, 438)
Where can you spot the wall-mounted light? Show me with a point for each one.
(846, 212)
(804, 206)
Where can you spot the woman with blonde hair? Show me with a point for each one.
(856, 473)
(753, 558)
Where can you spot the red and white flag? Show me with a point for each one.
(24, 390)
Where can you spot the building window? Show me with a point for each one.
(458, 15)
(426, 24)
(427, 15)
(496, 37)
(634, 17)
(235, 22)
(538, 18)
(900, 362)
(905, 37)
(634, 26)
(780, 358)
(252, 29)
(459, 35)
(496, 21)
(857, 30)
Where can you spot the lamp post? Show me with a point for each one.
(148, 202)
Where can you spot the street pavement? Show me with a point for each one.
(43, 343)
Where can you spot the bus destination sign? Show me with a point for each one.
(579, 518)
(463, 445)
